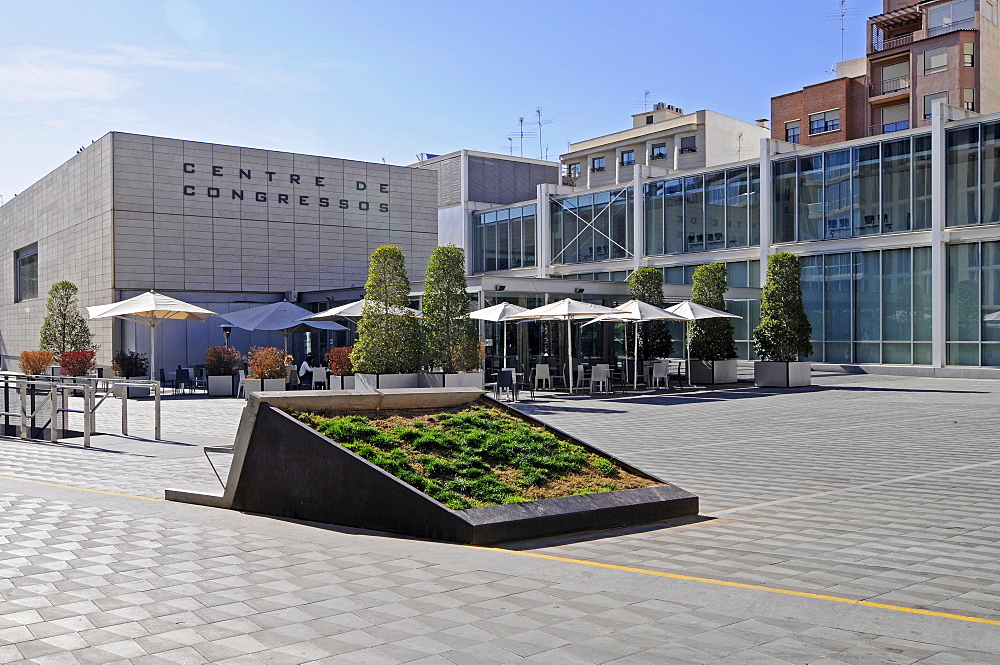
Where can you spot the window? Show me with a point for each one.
(792, 131)
(573, 170)
(688, 145)
(659, 151)
(970, 54)
(628, 158)
(958, 15)
(649, 120)
(969, 99)
(26, 273)
(936, 60)
(930, 99)
(989, 10)
(827, 121)
(597, 164)
(895, 118)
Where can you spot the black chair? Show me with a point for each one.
(164, 383)
(183, 381)
(505, 381)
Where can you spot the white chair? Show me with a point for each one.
(600, 376)
(661, 374)
(581, 376)
(543, 374)
(242, 383)
(319, 377)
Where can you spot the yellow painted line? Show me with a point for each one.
(754, 587)
(82, 489)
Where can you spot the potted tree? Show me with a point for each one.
(655, 341)
(130, 364)
(782, 336)
(267, 369)
(712, 343)
(64, 328)
(338, 359)
(451, 339)
(387, 351)
(221, 362)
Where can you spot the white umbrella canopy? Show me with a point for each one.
(637, 312)
(695, 312)
(499, 314)
(567, 310)
(150, 309)
(352, 312)
(283, 316)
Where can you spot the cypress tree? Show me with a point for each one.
(646, 285)
(784, 330)
(711, 339)
(451, 340)
(388, 335)
(64, 328)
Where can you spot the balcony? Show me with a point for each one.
(879, 44)
(888, 128)
(889, 86)
(964, 24)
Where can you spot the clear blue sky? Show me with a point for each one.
(387, 80)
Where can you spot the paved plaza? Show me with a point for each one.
(852, 522)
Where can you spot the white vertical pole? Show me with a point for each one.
(766, 207)
(569, 349)
(152, 353)
(938, 208)
(543, 231)
(638, 219)
(635, 360)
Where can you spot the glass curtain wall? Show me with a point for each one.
(973, 293)
(972, 182)
(503, 239)
(592, 227)
(866, 190)
(869, 307)
(703, 212)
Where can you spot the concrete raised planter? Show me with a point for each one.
(220, 386)
(386, 381)
(285, 468)
(772, 374)
(338, 382)
(713, 371)
(262, 385)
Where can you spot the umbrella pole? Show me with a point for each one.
(152, 351)
(635, 366)
(687, 350)
(504, 324)
(569, 349)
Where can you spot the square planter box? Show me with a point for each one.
(782, 375)
(262, 385)
(385, 381)
(338, 382)
(221, 386)
(713, 371)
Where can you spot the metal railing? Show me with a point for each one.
(37, 407)
(888, 128)
(964, 24)
(886, 44)
(888, 86)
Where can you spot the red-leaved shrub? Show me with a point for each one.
(35, 362)
(77, 363)
(339, 361)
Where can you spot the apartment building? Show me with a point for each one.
(918, 53)
(665, 137)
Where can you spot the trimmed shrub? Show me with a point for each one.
(64, 328)
(784, 330)
(388, 336)
(130, 363)
(339, 361)
(222, 360)
(35, 362)
(646, 285)
(266, 362)
(451, 339)
(711, 339)
(77, 363)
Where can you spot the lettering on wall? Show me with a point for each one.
(247, 177)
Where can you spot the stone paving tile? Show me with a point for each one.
(87, 584)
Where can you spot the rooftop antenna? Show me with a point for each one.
(644, 103)
(510, 143)
(538, 112)
(520, 134)
(843, 14)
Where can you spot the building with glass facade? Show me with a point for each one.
(899, 238)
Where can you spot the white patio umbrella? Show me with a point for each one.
(637, 312)
(352, 312)
(499, 314)
(151, 309)
(282, 316)
(566, 310)
(693, 311)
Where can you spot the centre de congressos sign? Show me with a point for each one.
(287, 199)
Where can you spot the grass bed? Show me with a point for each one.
(473, 456)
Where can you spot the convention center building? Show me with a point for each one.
(219, 226)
